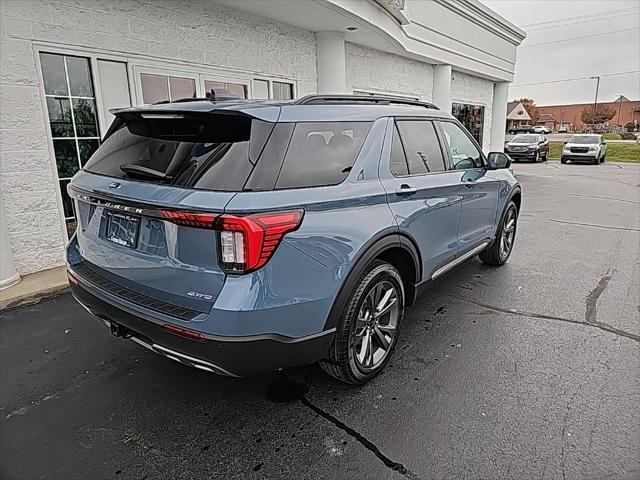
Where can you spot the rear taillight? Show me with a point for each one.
(248, 242)
(189, 219)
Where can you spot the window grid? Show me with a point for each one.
(76, 139)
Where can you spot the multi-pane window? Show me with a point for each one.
(236, 89)
(163, 88)
(71, 106)
(282, 91)
(264, 89)
(472, 117)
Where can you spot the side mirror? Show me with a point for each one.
(499, 160)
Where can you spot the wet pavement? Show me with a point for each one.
(531, 370)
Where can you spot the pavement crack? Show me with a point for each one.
(366, 443)
(608, 227)
(599, 325)
(285, 390)
(604, 198)
(591, 312)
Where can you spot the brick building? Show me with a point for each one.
(65, 63)
(554, 116)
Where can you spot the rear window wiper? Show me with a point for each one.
(144, 172)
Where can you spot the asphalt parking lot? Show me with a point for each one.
(528, 371)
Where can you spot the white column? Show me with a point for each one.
(8, 273)
(499, 116)
(331, 63)
(442, 87)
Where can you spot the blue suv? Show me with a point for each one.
(244, 236)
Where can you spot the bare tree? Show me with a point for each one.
(603, 114)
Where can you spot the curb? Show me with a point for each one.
(33, 297)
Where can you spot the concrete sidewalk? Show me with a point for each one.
(34, 287)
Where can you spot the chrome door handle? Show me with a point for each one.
(405, 189)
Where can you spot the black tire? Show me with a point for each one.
(563, 160)
(494, 254)
(342, 360)
(536, 159)
(595, 161)
(603, 159)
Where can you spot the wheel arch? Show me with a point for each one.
(395, 248)
(516, 196)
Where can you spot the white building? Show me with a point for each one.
(65, 63)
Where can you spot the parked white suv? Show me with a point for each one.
(584, 148)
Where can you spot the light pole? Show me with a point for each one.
(619, 109)
(595, 102)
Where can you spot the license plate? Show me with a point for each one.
(122, 229)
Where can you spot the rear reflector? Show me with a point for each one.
(72, 279)
(184, 332)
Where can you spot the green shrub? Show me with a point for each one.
(611, 136)
(630, 126)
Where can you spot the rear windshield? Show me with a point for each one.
(266, 156)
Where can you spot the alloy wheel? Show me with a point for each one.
(508, 233)
(376, 326)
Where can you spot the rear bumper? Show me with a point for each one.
(230, 356)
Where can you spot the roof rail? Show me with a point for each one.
(360, 99)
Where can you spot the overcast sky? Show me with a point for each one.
(618, 50)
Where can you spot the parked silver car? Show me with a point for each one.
(584, 148)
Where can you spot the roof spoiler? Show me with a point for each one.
(185, 125)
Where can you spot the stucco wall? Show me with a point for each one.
(477, 91)
(203, 33)
(376, 71)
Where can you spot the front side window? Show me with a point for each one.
(421, 146)
(464, 154)
(71, 108)
(321, 153)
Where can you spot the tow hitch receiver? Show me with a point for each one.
(118, 330)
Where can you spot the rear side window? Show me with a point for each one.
(421, 146)
(398, 165)
(321, 153)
